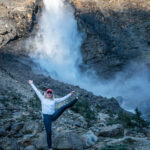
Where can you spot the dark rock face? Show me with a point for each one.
(17, 18)
(117, 32)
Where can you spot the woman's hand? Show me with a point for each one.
(72, 92)
(30, 81)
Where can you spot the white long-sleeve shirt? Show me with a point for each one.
(48, 105)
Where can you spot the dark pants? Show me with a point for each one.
(48, 119)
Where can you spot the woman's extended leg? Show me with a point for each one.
(63, 108)
(47, 119)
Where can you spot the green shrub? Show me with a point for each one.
(126, 120)
(83, 107)
(130, 121)
(16, 98)
(140, 122)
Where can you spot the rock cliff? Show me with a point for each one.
(117, 31)
(17, 18)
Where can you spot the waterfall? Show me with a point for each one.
(56, 48)
(57, 44)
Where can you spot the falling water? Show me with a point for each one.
(57, 44)
(57, 50)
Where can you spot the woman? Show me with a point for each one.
(48, 108)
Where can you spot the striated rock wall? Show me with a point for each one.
(117, 31)
(17, 18)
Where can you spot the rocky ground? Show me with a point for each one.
(95, 122)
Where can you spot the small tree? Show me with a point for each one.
(140, 122)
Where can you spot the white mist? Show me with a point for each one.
(57, 50)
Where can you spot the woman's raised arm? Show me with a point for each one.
(57, 100)
(36, 90)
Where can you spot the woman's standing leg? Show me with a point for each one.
(63, 108)
(47, 119)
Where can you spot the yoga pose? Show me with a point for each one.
(48, 108)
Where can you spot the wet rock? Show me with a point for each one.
(112, 131)
(68, 140)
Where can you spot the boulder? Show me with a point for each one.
(41, 141)
(30, 127)
(68, 140)
(89, 139)
(102, 117)
(31, 147)
(112, 131)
